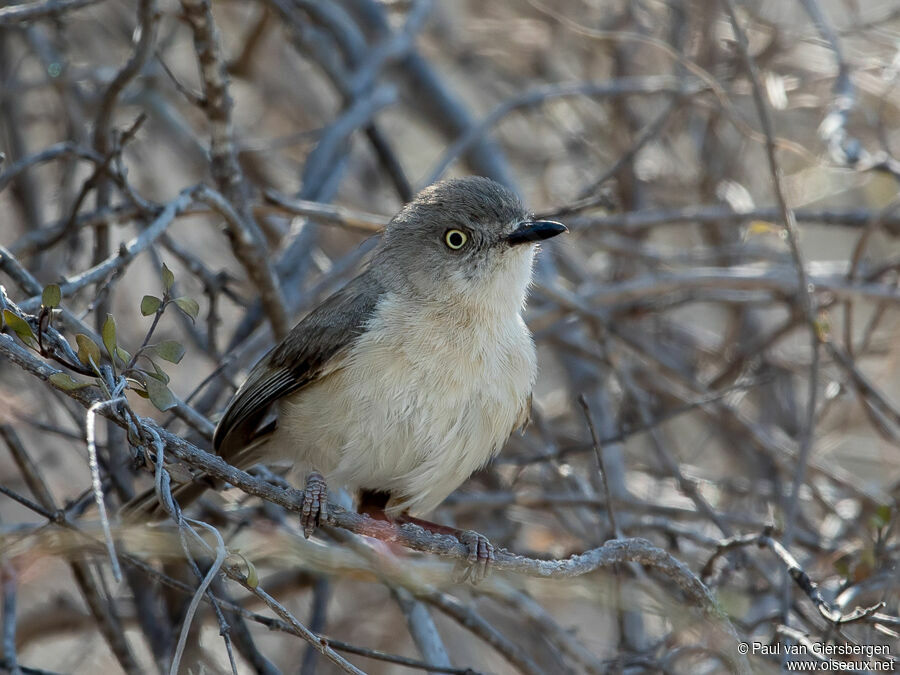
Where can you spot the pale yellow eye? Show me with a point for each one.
(455, 239)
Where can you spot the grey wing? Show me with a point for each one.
(299, 359)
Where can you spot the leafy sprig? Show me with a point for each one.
(152, 381)
(141, 370)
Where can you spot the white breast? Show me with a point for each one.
(424, 398)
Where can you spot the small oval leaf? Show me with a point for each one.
(169, 350)
(51, 297)
(252, 575)
(159, 394)
(842, 567)
(157, 373)
(87, 350)
(19, 326)
(66, 382)
(150, 304)
(109, 336)
(252, 578)
(189, 306)
(167, 277)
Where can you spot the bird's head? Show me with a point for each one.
(465, 240)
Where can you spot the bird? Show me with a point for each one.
(410, 377)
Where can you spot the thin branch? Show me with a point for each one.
(34, 11)
(369, 223)
(247, 243)
(598, 452)
(108, 621)
(127, 252)
(643, 86)
(807, 299)
(408, 535)
(96, 486)
(8, 616)
(61, 149)
(637, 222)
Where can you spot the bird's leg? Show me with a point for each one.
(481, 550)
(314, 510)
(372, 503)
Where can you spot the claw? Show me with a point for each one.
(314, 511)
(480, 559)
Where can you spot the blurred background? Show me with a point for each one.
(726, 304)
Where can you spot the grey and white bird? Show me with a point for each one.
(412, 376)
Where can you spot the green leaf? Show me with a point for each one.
(168, 278)
(252, 578)
(842, 567)
(19, 326)
(882, 516)
(123, 354)
(51, 297)
(158, 373)
(87, 350)
(150, 304)
(169, 350)
(189, 306)
(823, 327)
(108, 333)
(159, 394)
(252, 575)
(66, 382)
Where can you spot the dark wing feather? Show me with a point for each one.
(299, 359)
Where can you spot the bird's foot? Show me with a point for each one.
(480, 559)
(314, 511)
(480, 556)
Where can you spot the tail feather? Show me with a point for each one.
(147, 507)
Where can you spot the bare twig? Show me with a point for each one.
(8, 617)
(807, 300)
(327, 213)
(126, 252)
(248, 243)
(108, 621)
(598, 451)
(34, 11)
(96, 486)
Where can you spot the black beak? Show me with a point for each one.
(535, 230)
